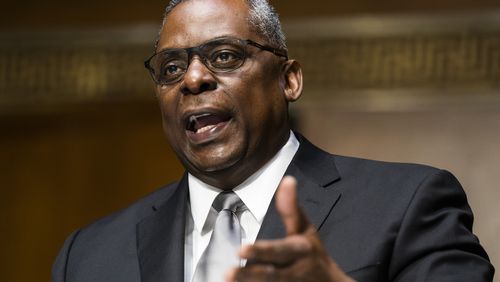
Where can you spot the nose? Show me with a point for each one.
(198, 78)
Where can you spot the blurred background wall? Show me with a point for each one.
(80, 132)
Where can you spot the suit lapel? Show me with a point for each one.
(316, 173)
(160, 238)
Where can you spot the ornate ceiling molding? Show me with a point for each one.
(439, 53)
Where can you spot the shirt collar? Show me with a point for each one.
(256, 192)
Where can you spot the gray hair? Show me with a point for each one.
(263, 19)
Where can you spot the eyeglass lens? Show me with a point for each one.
(221, 55)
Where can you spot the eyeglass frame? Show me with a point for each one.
(196, 50)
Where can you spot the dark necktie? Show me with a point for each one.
(221, 253)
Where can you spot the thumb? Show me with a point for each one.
(287, 205)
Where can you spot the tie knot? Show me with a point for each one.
(227, 201)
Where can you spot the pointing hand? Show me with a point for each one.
(300, 256)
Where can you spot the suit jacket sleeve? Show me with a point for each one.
(59, 267)
(435, 241)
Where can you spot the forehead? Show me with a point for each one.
(195, 21)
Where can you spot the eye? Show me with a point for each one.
(171, 69)
(224, 56)
(226, 59)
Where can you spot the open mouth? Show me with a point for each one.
(206, 122)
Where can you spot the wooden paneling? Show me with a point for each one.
(61, 171)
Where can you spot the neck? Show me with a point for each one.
(231, 177)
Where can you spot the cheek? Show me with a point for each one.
(267, 97)
(169, 115)
(263, 113)
(168, 104)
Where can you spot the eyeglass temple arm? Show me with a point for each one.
(277, 52)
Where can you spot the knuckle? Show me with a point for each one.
(266, 250)
(270, 272)
(304, 245)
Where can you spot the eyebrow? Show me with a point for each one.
(204, 42)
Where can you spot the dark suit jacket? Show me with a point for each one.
(379, 221)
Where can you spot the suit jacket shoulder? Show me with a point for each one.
(106, 250)
(383, 221)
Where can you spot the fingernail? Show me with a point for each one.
(289, 180)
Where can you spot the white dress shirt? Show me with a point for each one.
(256, 193)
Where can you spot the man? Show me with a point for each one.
(224, 82)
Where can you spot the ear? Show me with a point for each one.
(291, 80)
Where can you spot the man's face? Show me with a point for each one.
(222, 126)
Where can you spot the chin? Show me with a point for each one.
(216, 158)
(218, 165)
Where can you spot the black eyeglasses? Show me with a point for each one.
(219, 56)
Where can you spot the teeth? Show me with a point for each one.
(205, 128)
(191, 123)
(192, 119)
